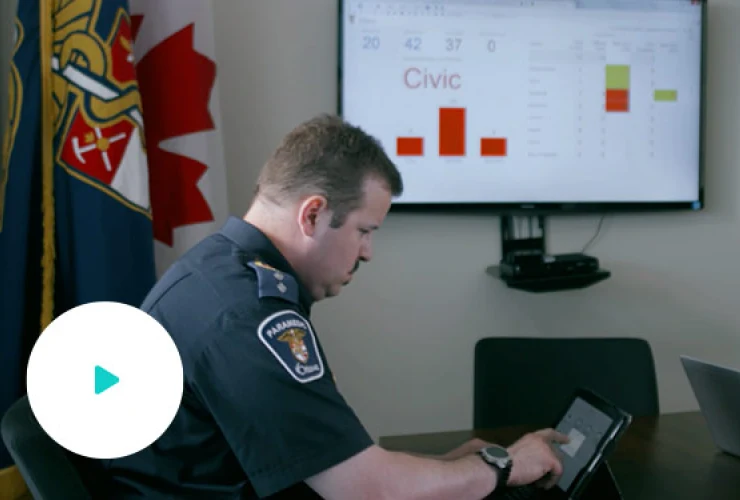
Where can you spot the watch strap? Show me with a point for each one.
(503, 476)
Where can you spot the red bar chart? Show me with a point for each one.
(452, 131)
(410, 146)
(493, 146)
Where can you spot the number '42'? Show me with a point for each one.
(413, 43)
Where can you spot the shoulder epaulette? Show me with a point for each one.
(275, 283)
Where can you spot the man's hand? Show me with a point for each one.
(534, 458)
(467, 448)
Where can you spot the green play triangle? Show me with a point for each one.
(104, 380)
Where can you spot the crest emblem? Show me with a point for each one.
(98, 119)
(290, 339)
(294, 338)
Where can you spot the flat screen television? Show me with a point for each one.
(531, 105)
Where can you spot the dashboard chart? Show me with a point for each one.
(481, 101)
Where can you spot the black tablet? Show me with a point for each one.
(593, 425)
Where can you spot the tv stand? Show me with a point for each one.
(526, 265)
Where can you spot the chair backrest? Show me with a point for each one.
(528, 381)
(45, 466)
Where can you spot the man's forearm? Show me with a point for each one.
(466, 448)
(412, 477)
(446, 456)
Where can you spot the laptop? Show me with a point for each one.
(717, 390)
(594, 426)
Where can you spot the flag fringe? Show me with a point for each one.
(12, 485)
(47, 138)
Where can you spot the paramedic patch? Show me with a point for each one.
(291, 340)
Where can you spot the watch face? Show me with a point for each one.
(497, 452)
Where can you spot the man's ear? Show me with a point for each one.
(310, 213)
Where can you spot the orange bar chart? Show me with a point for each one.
(452, 131)
(493, 146)
(410, 146)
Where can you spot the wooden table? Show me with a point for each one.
(671, 456)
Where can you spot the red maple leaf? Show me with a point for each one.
(175, 83)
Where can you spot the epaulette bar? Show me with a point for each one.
(275, 283)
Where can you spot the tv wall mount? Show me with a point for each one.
(526, 265)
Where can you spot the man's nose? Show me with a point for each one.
(366, 252)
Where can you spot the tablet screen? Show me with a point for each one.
(586, 427)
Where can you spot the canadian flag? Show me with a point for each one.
(175, 67)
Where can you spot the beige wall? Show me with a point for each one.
(401, 336)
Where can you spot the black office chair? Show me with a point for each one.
(529, 381)
(46, 467)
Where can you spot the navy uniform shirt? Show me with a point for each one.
(260, 411)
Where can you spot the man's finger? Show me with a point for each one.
(557, 467)
(552, 480)
(553, 436)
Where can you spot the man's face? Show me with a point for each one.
(338, 251)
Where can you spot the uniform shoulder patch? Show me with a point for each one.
(275, 283)
(290, 338)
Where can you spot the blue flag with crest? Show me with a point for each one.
(75, 216)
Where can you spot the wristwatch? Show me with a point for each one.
(498, 458)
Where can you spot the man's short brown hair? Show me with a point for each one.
(329, 157)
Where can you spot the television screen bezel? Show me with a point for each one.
(557, 208)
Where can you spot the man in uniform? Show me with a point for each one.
(261, 415)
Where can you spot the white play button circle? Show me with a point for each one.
(105, 380)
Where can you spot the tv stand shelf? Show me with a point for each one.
(551, 283)
(530, 268)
